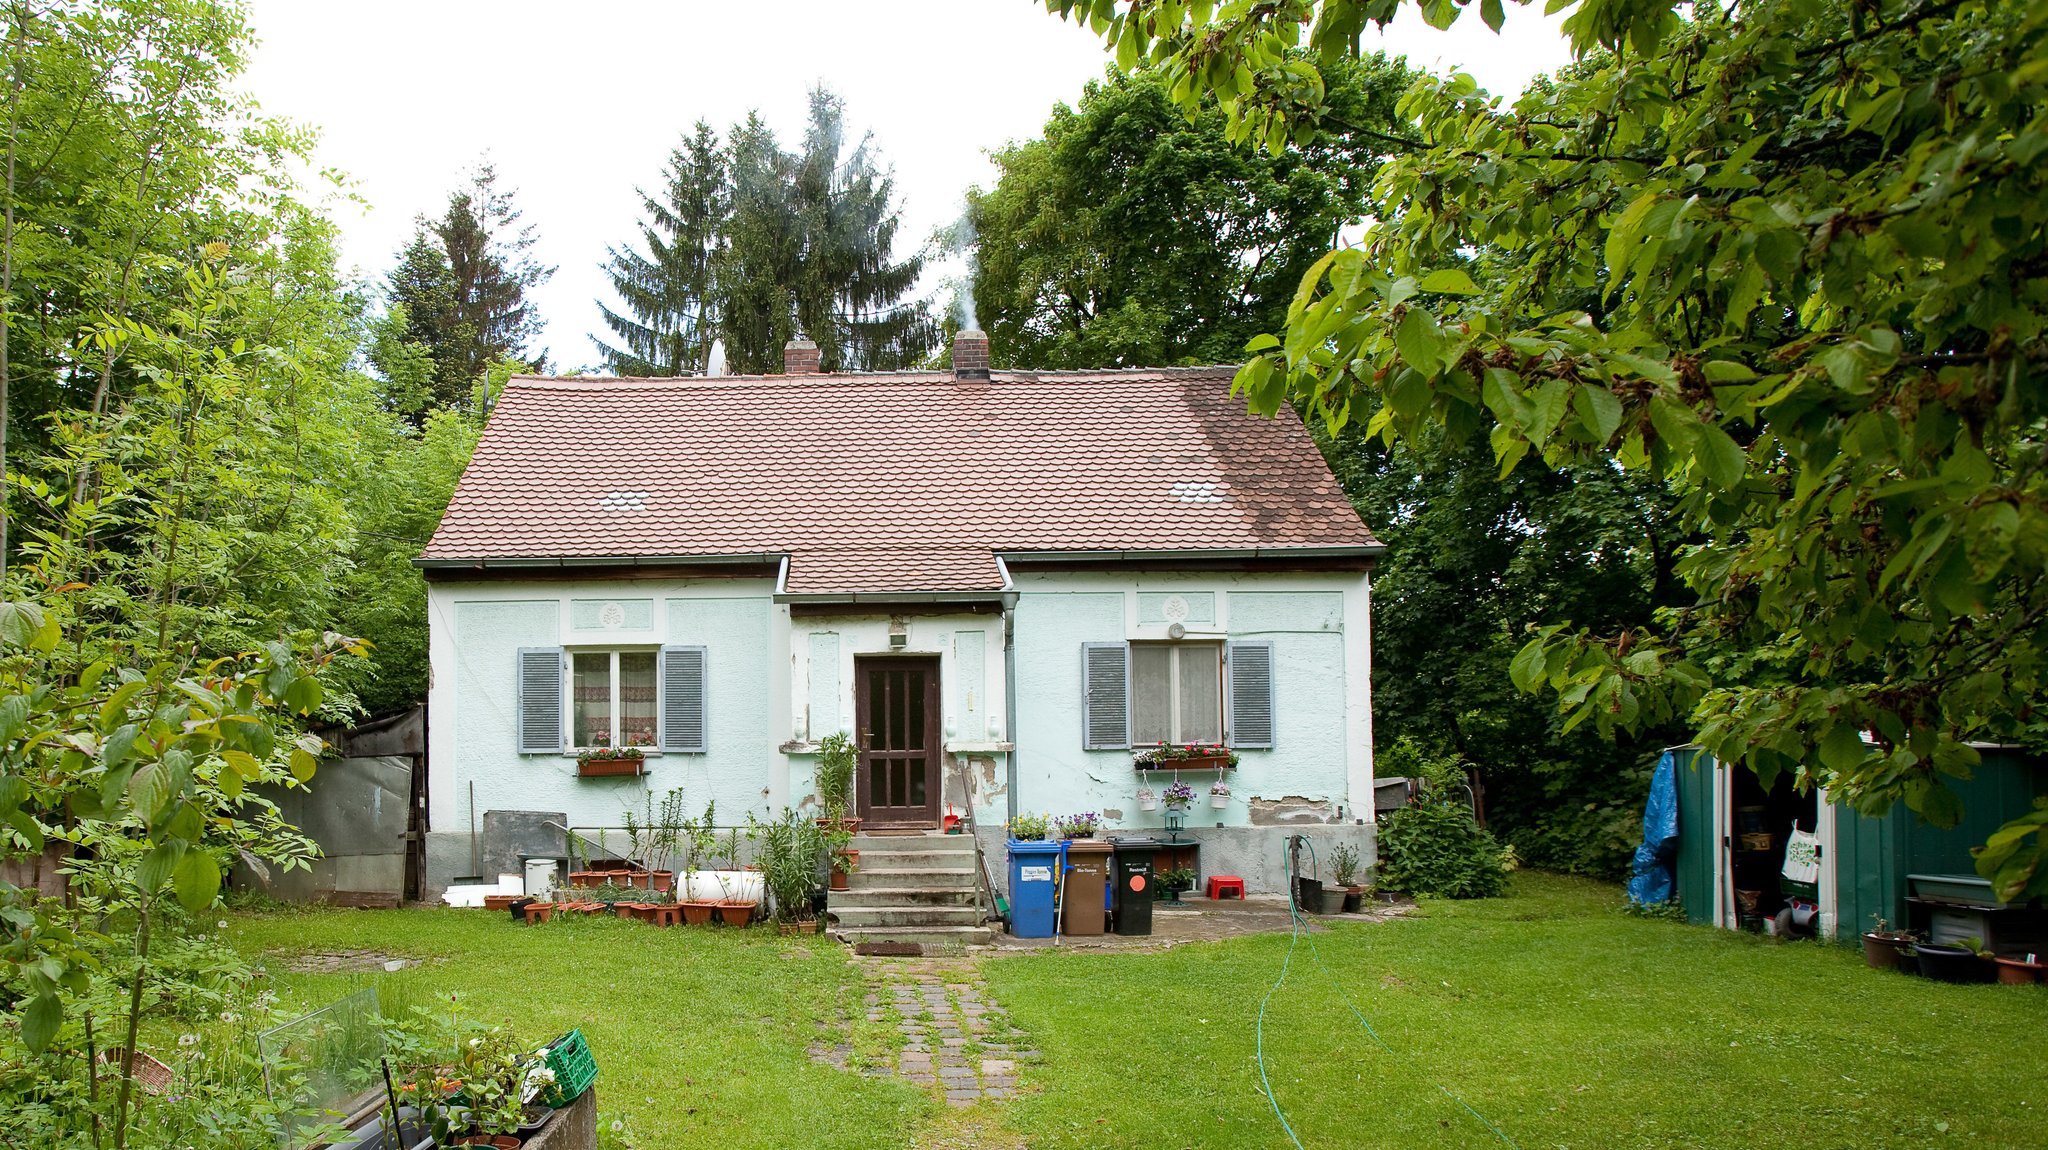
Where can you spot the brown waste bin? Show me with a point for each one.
(1084, 903)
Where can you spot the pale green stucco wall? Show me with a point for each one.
(1311, 759)
(736, 771)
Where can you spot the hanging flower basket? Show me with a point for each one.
(1148, 800)
(1219, 796)
(611, 763)
(1179, 797)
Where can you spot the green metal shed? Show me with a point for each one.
(1865, 860)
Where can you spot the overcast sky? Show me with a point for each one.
(578, 103)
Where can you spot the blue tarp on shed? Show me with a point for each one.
(1654, 878)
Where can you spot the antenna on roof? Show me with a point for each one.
(714, 360)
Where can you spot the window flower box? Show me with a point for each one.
(1186, 757)
(611, 762)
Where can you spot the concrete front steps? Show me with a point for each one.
(916, 889)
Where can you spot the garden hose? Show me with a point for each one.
(1289, 858)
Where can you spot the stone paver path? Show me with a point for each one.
(950, 1035)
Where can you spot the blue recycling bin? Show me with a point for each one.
(1034, 873)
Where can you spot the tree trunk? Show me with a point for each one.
(134, 1024)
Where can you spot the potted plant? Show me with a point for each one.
(788, 857)
(1344, 860)
(1179, 797)
(699, 839)
(734, 908)
(654, 837)
(1078, 826)
(602, 762)
(2021, 971)
(1186, 756)
(1029, 828)
(1882, 947)
(845, 860)
(1964, 960)
(837, 758)
(1176, 882)
(1219, 794)
(1148, 799)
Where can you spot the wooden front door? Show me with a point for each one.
(897, 701)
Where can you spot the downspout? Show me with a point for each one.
(1010, 705)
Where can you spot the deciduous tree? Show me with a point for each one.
(1131, 234)
(1787, 257)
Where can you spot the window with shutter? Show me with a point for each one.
(1105, 694)
(683, 728)
(539, 687)
(1248, 683)
(1176, 693)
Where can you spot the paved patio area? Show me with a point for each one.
(1202, 920)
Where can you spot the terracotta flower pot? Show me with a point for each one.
(585, 879)
(1881, 952)
(539, 911)
(664, 880)
(2020, 972)
(1197, 763)
(610, 768)
(736, 913)
(843, 863)
(698, 913)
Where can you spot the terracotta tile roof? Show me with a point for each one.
(888, 482)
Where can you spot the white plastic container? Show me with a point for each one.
(540, 878)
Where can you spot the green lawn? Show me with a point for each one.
(1562, 1021)
(700, 1035)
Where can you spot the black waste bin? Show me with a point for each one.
(1132, 879)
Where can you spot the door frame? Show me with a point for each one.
(864, 666)
(1828, 890)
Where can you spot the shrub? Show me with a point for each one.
(1435, 848)
(836, 758)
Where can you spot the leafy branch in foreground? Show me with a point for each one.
(1786, 257)
(146, 780)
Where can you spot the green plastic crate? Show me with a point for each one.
(569, 1057)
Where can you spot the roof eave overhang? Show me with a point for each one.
(551, 562)
(1006, 594)
(1172, 555)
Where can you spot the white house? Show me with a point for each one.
(1000, 582)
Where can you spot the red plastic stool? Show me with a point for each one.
(1225, 886)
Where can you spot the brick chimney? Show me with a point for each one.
(799, 357)
(970, 355)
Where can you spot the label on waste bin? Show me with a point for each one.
(1035, 873)
(1137, 882)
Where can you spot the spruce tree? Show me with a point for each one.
(669, 321)
(791, 243)
(850, 288)
(463, 281)
(757, 266)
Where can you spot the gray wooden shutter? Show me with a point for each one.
(539, 687)
(681, 714)
(1248, 694)
(1106, 696)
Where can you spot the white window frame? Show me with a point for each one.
(1173, 693)
(618, 711)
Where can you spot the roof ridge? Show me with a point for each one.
(841, 378)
